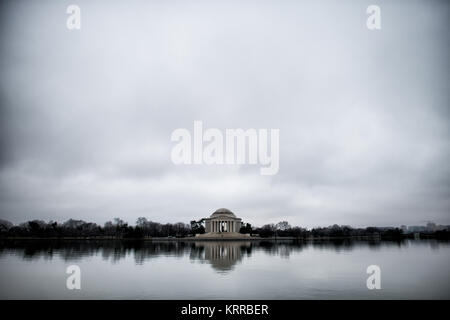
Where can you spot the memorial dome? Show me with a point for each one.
(223, 212)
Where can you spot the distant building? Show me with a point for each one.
(430, 227)
(414, 229)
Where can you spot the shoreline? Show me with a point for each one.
(174, 239)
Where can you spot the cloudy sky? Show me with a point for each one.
(86, 115)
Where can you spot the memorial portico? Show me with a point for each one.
(222, 221)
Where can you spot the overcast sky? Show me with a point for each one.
(87, 115)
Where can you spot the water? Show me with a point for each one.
(410, 269)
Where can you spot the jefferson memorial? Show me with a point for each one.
(222, 220)
(223, 225)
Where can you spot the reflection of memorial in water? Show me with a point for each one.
(224, 255)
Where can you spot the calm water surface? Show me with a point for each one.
(410, 269)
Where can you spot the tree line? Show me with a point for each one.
(144, 228)
(79, 228)
(284, 229)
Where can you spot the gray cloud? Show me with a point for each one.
(86, 116)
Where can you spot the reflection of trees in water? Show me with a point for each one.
(147, 250)
(282, 248)
(222, 255)
(70, 250)
(340, 245)
(37, 249)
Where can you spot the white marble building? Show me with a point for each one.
(222, 221)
